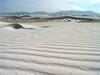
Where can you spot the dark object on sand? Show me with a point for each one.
(16, 26)
(45, 26)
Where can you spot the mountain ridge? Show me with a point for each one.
(68, 12)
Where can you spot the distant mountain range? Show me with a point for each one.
(70, 12)
(75, 12)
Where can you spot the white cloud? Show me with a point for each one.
(74, 7)
(95, 1)
(58, 5)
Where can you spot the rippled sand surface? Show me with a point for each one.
(51, 48)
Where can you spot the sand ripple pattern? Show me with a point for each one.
(57, 50)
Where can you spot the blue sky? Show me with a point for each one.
(48, 5)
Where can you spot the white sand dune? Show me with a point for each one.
(52, 48)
